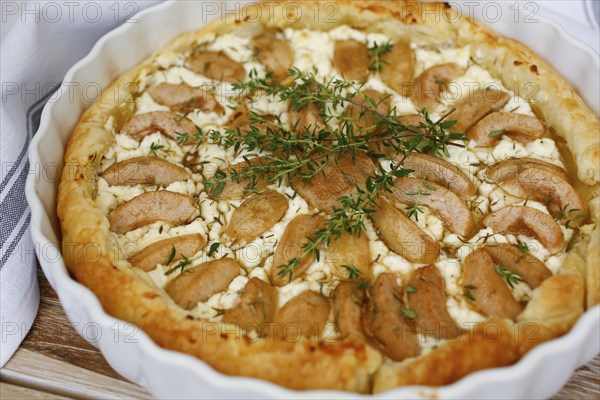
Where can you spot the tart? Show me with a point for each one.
(358, 202)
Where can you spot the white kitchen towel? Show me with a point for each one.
(41, 40)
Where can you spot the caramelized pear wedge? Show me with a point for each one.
(348, 301)
(257, 307)
(234, 190)
(527, 221)
(386, 322)
(351, 59)
(276, 55)
(336, 180)
(542, 185)
(306, 120)
(365, 116)
(532, 270)
(185, 98)
(296, 234)
(474, 106)
(241, 121)
(145, 170)
(398, 66)
(199, 283)
(520, 127)
(446, 204)
(402, 235)
(437, 170)
(432, 82)
(489, 293)
(162, 205)
(217, 66)
(257, 215)
(426, 296)
(165, 122)
(167, 250)
(350, 251)
(509, 168)
(304, 315)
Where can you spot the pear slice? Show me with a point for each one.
(472, 107)
(522, 128)
(256, 215)
(398, 66)
(527, 221)
(296, 234)
(145, 170)
(200, 283)
(386, 322)
(257, 307)
(348, 301)
(532, 270)
(489, 293)
(165, 122)
(217, 66)
(432, 82)
(160, 252)
(509, 168)
(304, 315)
(402, 235)
(437, 170)
(184, 97)
(147, 208)
(426, 296)
(275, 54)
(542, 185)
(446, 204)
(337, 179)
(351, 58)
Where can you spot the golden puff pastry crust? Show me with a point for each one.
(351, 364)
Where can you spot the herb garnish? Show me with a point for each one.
(213, 248)
(180, 265)
(354, 274)
(523, 246)
(569, 216)
(511, 278)
(468, 294)
(154, 147)
(304, 153)
(171, 256)
(375, 52)
(408, 313)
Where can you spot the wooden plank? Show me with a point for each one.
(53, 335)
(9, 392)
(584, 384)
(37, 371)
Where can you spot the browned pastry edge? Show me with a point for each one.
(348, 365)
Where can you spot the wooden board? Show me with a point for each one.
(55, 362)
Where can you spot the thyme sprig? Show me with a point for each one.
(292, 152)
(375, 52)
(511, 278)
(356, 276)
(181, 265)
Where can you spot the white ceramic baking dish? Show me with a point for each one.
(168, 374)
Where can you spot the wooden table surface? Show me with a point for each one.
(55, 362)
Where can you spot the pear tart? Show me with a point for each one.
(476, 253)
